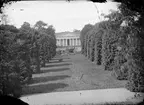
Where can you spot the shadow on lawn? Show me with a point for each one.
(56, 61)
(60, 58)
(45, 70)
(48, 78)
(43, 88)
(55, 65)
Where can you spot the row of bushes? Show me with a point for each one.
(22, 52)
(118, 48)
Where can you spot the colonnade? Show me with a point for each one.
(68, 42)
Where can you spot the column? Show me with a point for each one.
(60, 42)
(63, 42)
(66, 42)
(76, 41)
(71, 42)
(79, 42)
(57, 42)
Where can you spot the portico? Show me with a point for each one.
(66, 40)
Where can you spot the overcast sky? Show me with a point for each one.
(64, 16)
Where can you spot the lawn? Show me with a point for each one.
(72, 73)
(94, 74)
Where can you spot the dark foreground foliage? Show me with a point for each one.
(23, 52)
(15, 67)
(7, 100)
(117, 44)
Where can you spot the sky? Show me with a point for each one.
(64, 16)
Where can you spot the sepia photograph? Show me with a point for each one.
(72, 52)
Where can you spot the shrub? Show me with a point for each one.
(98, 47)
(108, 50)
(135, 61)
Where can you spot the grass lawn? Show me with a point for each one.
(72, 73)
(94, 74)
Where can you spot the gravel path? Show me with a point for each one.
(83, 97)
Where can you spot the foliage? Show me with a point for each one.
(98, 43)
(125, 59)
(83, 37)
(120, 46)
(135, 45)
(12, 61)
(21, 50)
(91, 38)
(135, 61)
(45, 44)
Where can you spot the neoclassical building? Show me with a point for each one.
(68, 40)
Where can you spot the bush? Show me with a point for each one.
(119, 48)
(135, 75)
(84, 37)
(93, 49)
(21, 50)
(98, 48)
(121, 72)
(135, 61)
(119, 66)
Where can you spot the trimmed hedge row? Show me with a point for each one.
(119, 49)
(91, 44)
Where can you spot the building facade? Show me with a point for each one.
(67, 40)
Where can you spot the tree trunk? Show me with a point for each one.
(38, 64)
(87, 47)
(43, 62)
(37, 59)
(29, 67)
(95, 53)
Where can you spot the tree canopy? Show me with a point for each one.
(23, 52)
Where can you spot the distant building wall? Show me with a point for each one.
(65, 40)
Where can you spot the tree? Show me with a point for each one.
(25, 38)
(132, 11)
(83, 37)
(75, 30)
(40, 24)
(13, 62)
(20, 48)
(135, 41)
(3, 2)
